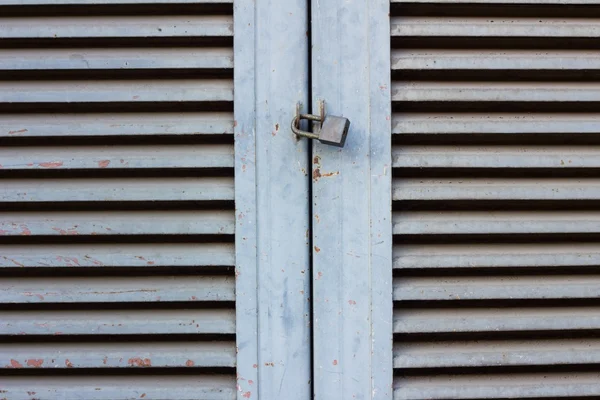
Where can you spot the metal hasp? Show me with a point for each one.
(333, 130)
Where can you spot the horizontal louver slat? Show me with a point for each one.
(488, 223)
(496, 288)
(121, 322)
(117, 157)
(117, 223)
(496, 255)
(114, 125)
(496, 27)
(116, 91)
(115, 26)
(507, 386)
(146, 59)
(496, 353)
(123, 387)
(120, 355)
(121, 189)
(116, 290)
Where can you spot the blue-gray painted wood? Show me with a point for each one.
(111, 189)
(272, 251)
(117, 157)
(198, 386)
(118, 355)
(117, 322)
(496, 123)
(159, 289)
(116, 26)
(352, 268)
(496, 255)
(130, 58)
(508, 319)
(500, 27)
(113, 255)
(550, 385)
(131, 91)
(95, 2)
(119, 124)
(108, 223)
(488, 353)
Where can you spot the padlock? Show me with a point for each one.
(333, 129)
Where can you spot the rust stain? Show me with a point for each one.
(189, 363)
(150, 263)
(19, 131)
(319, 275)
(143, 395)
(317, 160)
(254, 365)
(14, 364)
(269, 364)
(68, 363)
(250, 382)
(139, 362)
(103, 163)
(334, 362)
(234, 123)
(14, 261)
(247, 395)
(65, 232)
(194, 298)
(136, 97)
(31, 393)
(317, 249)
(35, 363)
(51, 164)
(351, 302)
(30, 294)
(329, 174)
(25, 231)
(105, 360)
(316, 174)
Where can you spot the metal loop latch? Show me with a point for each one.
(296, 125)
(333, 130)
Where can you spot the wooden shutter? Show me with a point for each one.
(116, 196)
(495, 193)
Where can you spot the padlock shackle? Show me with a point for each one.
(296, 125)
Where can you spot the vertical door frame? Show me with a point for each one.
(272, 204)
(352, 256)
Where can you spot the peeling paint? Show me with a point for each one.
(51, 164)
(35, 363)
(139, 362)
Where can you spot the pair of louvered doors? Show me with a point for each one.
(164, 235)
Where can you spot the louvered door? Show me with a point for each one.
(495, 198)
(117, 197)
(117, 253)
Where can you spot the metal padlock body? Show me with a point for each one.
(334, 131)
